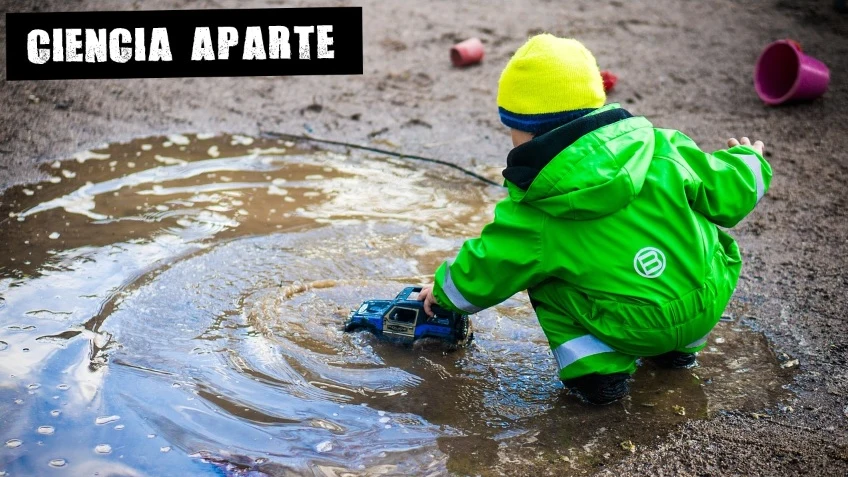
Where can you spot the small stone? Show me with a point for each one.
(790, 364)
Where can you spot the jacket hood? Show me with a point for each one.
(586, 169)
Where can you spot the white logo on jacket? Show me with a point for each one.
(649, 262)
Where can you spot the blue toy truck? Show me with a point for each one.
(403, 319)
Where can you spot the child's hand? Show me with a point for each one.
(426, 295)
(758, 145)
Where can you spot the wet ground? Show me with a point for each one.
(174, 305)
(684, 65)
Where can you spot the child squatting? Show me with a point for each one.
(610, 224)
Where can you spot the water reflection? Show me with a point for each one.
(174, 305)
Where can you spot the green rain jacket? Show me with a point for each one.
(611, 222)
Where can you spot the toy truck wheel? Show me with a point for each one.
(465, 333)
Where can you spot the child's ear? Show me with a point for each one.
(520, 137)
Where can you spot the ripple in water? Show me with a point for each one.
(199, 294)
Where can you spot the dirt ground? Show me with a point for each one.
(683, 64)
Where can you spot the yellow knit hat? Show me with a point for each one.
(546, 79)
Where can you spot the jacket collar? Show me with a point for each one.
(526, 161)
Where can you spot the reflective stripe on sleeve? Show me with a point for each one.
(455, 296)
(578, 348)
(697, 343)
(754, 164)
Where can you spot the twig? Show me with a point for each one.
(381, 151)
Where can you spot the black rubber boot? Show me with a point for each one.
(674, 360)
(601, 388)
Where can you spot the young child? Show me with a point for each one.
(611, 225)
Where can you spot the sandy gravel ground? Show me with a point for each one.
(683, 64)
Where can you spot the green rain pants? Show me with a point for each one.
(610, 338)
(583, 353)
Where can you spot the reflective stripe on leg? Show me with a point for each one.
(579, 348)
(697, 343)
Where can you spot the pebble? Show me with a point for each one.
(790, 364)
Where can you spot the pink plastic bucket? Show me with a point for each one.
(783, 73)
(467, 52)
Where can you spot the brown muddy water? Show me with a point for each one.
(173, 306)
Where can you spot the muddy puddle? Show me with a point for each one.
(173, 306)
